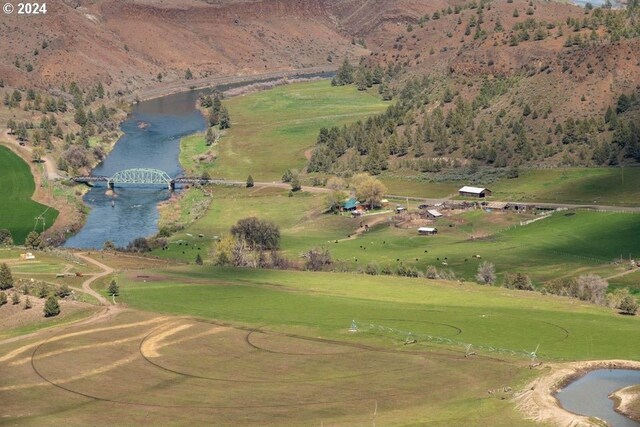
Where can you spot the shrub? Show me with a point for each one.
(486, 273)
(592, 287)
(3, 298)
(63, 291)
(629, 305)
(15, 298)
(318, 259)
(372, 269)
(517, 281)
(27, 303)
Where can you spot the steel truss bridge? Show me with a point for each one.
(145, 177)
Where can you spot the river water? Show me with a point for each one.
(589, 395)
(151, 139)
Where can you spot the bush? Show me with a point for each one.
(139, 244)
(27, 303)
(51, 307)
(372, 269)
(63, 291)
(592, 287)
(432, 272)
(318, 259)
(403, 270)
(15, 298)
(486, 274)
(3, 298)
(517, 281)
(629, 305)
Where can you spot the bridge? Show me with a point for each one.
(145, 177)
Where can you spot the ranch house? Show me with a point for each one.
(478, 192)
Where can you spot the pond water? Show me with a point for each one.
(589, 395)
(151, 139)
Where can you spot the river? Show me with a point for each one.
(151, 139)
(589, 395)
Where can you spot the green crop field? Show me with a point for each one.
(18, 211)
(272, 129)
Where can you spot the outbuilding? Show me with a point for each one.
(351, 204)
(478, 192)
(427, 231)
(433, 214)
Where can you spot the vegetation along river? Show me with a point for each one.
(589, 395)
(151, 139)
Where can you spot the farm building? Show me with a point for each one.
(427, 231)
(351, 204)
(467, 191)
(498, 206)
(433, 214)
(400, 209)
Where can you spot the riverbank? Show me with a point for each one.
(627, 402)
(538, 401)
(187, 85)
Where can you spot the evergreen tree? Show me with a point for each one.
(198, 259)
(3, 298)
(188, 75)
(51, 307)
(27, 303)
(6, 278)
(113, 289)
(225, 120)
(249, 181)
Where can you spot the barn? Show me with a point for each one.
(478, 192)
(427, 231)
(433, 214)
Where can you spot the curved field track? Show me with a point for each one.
(144, 368)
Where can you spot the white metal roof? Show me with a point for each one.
(433, 212)
(427, 229)
(475, 190)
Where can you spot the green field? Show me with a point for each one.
(18, 211)
(603, 186)
(244, 346)
(272, 129)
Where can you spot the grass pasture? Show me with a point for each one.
(271, 130)
(17, 210)
(566, 244)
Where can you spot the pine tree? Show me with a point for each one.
(51, 307)
(249, 181)
(225, 120)
(3, 298)
(113, 290)
(27, 303)
(198, 259)
(6, 278)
